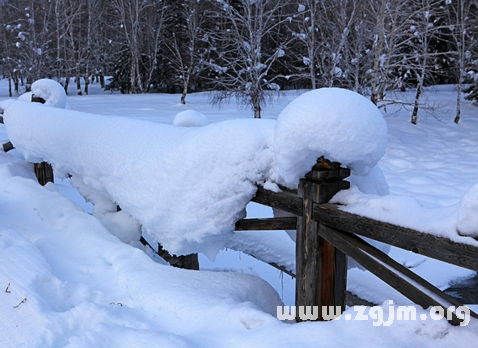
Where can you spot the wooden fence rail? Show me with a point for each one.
(325, 234)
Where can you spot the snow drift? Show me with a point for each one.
(187, 186)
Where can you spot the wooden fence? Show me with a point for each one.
(326, 235)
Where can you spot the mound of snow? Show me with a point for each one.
(186, 186)
(467, 219)
(26, 96)
(190, 118)
(338, 124)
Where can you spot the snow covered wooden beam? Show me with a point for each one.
(285, 200)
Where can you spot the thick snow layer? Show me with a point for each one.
(51, 91)
(69, 282)
(372, 183)
(190, 118)
(467, 219)
(83, 287)
(186, 186)
(338, 124)
(210, 170)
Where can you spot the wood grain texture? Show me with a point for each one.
(268, 224)
(440, 248)
(396, 275)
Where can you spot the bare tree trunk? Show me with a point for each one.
(78, 84)
(378, 52)
(67, 82)
(416, 105)
(10, 86)
(15, 81)
(185, 92)
(87, 83)
(256, 105)
(458, 102)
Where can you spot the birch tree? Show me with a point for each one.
(425, 24)
(462, 19)
(183, 41)
(28, 26)
(129, 14)
(240, 61)
(306, 31)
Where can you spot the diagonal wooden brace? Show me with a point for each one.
(394, 274)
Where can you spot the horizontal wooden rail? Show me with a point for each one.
(440, 248)
(287, 201)
(270, 224)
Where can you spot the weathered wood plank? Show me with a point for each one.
(286, 201)
(8, 146)
(36, 99)
(44, 173)
(269, 224)
(323, 175)
(440, 248)
(190, 261)
(340, 279)
(308, 252)
(327, 273)
(396, 275)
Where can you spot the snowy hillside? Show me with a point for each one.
(70, 282)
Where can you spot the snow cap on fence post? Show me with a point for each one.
(338, 124)
(50, 91)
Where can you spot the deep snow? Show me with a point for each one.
(85, 288)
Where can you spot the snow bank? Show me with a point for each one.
(338, 124)
(190, 118)
(72, 284)
(186, 186)
(467, 217)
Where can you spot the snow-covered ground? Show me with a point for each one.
(69, 282)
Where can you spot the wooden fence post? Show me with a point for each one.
(43, 172)
(321, 268)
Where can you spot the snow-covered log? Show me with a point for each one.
(187, 186)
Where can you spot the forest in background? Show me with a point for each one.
(249, 49)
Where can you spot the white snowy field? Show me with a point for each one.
(70, 283)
